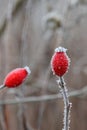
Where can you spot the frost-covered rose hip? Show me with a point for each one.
(16, 77)
(60, 62)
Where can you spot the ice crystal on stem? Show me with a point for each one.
(67, 104)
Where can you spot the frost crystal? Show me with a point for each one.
(60, 49)
(27, 69)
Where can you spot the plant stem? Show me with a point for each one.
(2, 86)
(67, 104)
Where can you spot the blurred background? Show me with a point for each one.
(30, 30)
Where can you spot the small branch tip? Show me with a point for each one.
(2, 86)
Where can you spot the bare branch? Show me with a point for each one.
(82, 93)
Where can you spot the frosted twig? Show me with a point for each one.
(67, 104)
(2, 86)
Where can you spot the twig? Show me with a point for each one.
(67, 104)
(2, 86)
(82, 93)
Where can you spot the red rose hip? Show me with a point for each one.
(16, 77)
(60, 62)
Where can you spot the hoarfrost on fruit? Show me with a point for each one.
(60, 49)
(60, 62)
(16, 77)
(27, 69)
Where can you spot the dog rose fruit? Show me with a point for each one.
(60, 62)
(16, 77)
